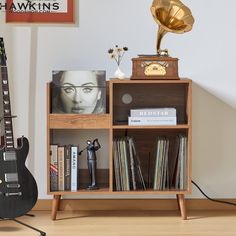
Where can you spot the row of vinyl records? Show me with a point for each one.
(171, 172)
(170, 168)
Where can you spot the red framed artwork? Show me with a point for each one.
(40, 11)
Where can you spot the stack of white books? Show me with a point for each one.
(153, 116)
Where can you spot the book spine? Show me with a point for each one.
(53, 168)
(67, 157)
(152, 121)
(74, 168)
(165, 112)
(61, 172)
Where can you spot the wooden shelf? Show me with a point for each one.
(150, 192)
(106, 191)
(157, 81)
(82, 191)
(150, 127)
(74, 121)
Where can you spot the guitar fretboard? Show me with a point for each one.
(7, 116)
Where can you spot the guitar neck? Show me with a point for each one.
(7, 116)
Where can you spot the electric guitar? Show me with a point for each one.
(18, 188)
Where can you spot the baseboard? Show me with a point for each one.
(132, 204)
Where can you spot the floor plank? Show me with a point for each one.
(121, 223)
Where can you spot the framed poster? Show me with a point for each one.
(40, 11)
(79, 92)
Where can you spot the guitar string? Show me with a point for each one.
(5, 87)
(13, 164)
(11, 129)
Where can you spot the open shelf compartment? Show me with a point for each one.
(146, 147)
(129, 95)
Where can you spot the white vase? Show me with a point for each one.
(119, 74)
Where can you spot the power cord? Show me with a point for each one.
(211, 199)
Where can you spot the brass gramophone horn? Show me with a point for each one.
(171, 16)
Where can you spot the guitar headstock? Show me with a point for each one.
(3, 57)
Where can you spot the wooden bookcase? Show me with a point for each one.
(143, 93)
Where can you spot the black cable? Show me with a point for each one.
(211, 199)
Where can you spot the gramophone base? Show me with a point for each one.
(154, 67)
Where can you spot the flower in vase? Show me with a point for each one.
(117, 53)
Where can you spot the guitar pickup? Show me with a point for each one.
(13, 185)
(9, 156)
(11, 177)
(13, 194)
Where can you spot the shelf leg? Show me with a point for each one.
(55, 206)
(182, 206)
(177, 197)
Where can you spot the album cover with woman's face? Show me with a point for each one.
(79, 92)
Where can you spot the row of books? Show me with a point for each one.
(153, 116)
(171, 170)
(64, 168)
(127, 170)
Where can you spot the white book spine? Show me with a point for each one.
(157, 112)
(152, 121)
(74, 168)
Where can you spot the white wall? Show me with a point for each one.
(207, 56)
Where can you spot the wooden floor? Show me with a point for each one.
(121, 223)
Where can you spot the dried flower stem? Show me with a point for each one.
(117, 54)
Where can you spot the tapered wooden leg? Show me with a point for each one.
(55, 206)
(177, 197)
(182, 206)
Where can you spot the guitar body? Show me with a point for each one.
(13, 206)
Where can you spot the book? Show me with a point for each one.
(61, 168)
(67, 168)
(53, 168)
(153, 112)
(152, 120)
(74, 168)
